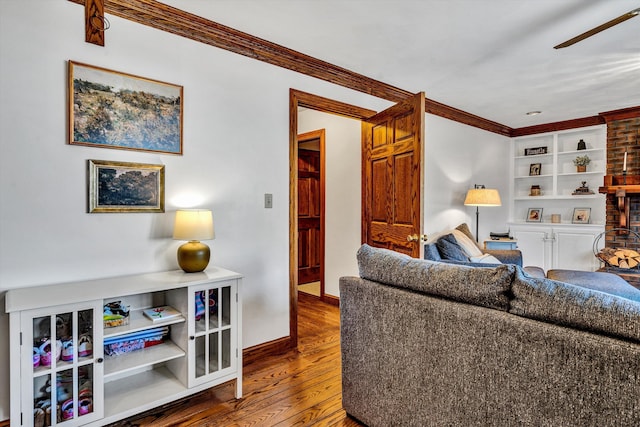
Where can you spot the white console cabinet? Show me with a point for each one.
(557, 246)
(60, 374)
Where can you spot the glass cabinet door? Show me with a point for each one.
(59, 353)
(212, 349)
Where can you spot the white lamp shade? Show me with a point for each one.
(193, 224)
(483, 197)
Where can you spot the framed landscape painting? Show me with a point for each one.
(125, 187)
(111, 109)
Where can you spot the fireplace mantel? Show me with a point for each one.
(613, 183)
(622, 186)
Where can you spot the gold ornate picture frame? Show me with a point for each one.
(125, 187)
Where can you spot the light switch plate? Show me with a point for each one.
(268, 201)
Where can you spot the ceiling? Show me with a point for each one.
(491, 58)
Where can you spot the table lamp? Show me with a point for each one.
(480, 196)
(193, 225)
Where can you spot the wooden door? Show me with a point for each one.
(392, 177)
(310, 248)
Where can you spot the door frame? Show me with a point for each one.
(325, 105)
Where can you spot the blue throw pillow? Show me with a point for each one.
(450, 249)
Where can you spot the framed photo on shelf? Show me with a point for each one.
(125, 187)
(581, 216)
(111, 109)
(534, 215)
(535, 169)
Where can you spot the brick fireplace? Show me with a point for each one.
(623, 135)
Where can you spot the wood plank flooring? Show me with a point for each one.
(297, 388)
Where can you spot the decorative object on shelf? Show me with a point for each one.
(535, 151)
(110, 109)
(535, 169)
(535, 190)
(534, 215)
(583, 190)
(617, 258)
(556, 218)
(115, 314)
(581, 216)
(582, 145)
(125, 187)
(481, 196)
(165, 312)
(581, 163)
(193, 225)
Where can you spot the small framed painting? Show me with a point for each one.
(125, 187)
(581, 216)
(111, 109)
(534, 215)
(535, 169)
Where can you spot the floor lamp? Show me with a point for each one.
(480, 196)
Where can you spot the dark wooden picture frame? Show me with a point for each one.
(535, 169)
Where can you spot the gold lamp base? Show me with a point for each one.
(193, 256)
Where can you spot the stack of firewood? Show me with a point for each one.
(621, 258)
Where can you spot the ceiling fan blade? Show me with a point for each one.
(599, 28)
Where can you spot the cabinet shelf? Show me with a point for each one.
(579, 152)
(574, 174)
(533, 176)
(151, 386)
(119, 364)
(139, 322)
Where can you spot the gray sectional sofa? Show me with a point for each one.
(432, 344)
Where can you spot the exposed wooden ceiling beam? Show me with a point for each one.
(94, 22)
(167, 18)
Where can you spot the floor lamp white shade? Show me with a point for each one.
(481, 196)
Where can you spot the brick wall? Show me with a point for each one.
(623, 135)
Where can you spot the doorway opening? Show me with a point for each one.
(299, 99)
(311, 212)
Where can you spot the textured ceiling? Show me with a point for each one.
(491, 58)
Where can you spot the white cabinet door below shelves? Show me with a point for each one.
(573, 249)
(534, 245)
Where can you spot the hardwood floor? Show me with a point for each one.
(297, 388)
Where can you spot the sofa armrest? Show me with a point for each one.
(508, 256)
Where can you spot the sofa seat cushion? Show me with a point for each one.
(598, 281)
(575, 306)
(487, 287)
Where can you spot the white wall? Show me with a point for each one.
(236, 148)
(457, 157)
(342, 192)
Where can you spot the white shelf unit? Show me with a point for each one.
(126, 384)
(558, 177)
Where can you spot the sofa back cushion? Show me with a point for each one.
(487, 287)
(575, 306)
